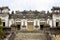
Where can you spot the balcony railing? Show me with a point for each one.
(36, 26)
(24, 26)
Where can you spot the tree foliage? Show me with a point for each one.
(1, 30)
(0, 21)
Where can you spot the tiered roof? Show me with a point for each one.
(29, 15)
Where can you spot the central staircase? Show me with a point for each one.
(21, 35)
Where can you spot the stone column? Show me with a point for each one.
(23, 23)
(39, 23)
(26, 24)
(54, 23)
(36, 22)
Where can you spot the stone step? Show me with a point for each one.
(35, 31)
(30, 36)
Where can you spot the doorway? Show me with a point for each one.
(41, 27)
(57, 23)
(30, 26)
(18, 27)
(3, 23)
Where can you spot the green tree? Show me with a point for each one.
(1, 30)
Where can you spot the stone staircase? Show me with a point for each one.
(30, 36)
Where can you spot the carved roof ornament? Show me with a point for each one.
(55, 8)
(6, 8)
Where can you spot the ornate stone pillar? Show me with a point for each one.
(54, 23)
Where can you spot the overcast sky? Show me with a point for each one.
(30, 4)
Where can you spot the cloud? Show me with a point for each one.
(30, 4)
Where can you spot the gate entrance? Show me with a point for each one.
(30, 26)
(57, 23)
(41, 27)
(18, 25)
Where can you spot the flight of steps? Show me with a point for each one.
(30, 36)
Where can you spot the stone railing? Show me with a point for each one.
(7, 37)
(36, 26)
(12, 36)
(24, 26)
